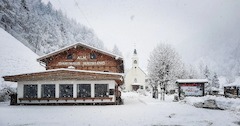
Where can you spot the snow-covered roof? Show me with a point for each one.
(133, 69)
(137, 84)
(74, 70)
(78, 44)
(192, 81)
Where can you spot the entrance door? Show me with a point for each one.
(135, 87)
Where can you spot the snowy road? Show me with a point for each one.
(137, 111)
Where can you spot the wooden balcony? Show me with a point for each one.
(66, 99)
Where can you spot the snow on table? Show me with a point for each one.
(138, 110)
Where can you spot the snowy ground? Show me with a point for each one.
(138, 111)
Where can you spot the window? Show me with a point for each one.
(84, 90)
(93, 56)
(48, 90)
(135, 80)
(111, 91)
(30, 91)
(65, 90)
(135, 61)
(70, 56)
(101, 90)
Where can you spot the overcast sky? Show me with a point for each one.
(204, 29)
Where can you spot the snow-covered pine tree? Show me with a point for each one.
(192, 72)
(207, 72)
(183, 72)
(42, 28)
(201, 68)
(116, 51)
(215, 81)
(235, 65)
(207, 75)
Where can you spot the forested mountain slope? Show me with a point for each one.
(41, 28)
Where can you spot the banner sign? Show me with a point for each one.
(98, 63)
(192, 90)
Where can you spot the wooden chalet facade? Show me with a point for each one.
(77, 74)
(232, 91)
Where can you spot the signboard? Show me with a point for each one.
(98, 63)
(82, 61)
(82, 57)
(192, 89)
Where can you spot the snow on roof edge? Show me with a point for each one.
(74, 70)
(139, 69)
(192, 80)
(75, 44)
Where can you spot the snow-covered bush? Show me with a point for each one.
(5, 92)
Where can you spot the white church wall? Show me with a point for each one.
(135, 75)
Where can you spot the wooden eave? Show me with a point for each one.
(65, 75)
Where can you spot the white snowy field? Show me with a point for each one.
(15, 58)
(138, 110)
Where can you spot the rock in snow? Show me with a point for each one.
(220, 101)
(210, 103)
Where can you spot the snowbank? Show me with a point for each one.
(222, 102)
(138, 110)
(15, 58)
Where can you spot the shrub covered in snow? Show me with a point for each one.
(5, 92)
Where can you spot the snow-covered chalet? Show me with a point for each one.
(77, 74)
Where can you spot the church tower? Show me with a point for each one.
(135, 77)
(135, 59)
